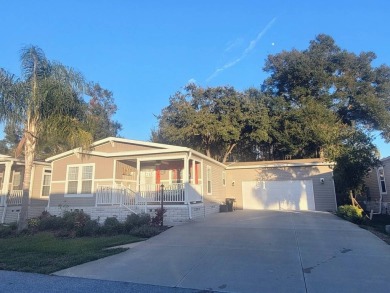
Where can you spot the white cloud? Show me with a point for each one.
(248, 49)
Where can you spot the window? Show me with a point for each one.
(46, 183)
(382, 183)
(80, 179)
(224, 178)
(209, 189)
(16, 180)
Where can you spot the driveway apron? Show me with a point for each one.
(254, 251)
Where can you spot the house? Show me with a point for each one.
(11, 183)
(377, 197)
(117, 177)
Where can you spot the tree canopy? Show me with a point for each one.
(212, 120)
(45, 108)
(319, 102)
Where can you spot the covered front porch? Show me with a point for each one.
(145, 181)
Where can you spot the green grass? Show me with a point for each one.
(43, 253)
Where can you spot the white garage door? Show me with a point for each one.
(278, 195)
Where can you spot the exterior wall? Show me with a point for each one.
(373, 192)
(37, 181)
(11, 214)
(175, 215)
(324, 193)
(103, 175)
(218, 190)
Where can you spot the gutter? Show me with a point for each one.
(380, 194)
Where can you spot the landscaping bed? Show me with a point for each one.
(377, 226)
(54, 243)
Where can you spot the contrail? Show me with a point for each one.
(251, 46)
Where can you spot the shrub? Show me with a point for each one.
(350, 213)
(50, 223)
(146, 231)
(90, 228)
(33, 224)
(8, 230)
(134, 221)
(157, 220)
(75, 219)
(112, 226)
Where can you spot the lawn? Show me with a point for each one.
(44, 253)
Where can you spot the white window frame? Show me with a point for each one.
(43, 180)
(380, 180)
(209, 181)
(13, 180)
(223, 178)
(79, 181)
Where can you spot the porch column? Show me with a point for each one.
(138, 175)
(6, 179)
(186, 180)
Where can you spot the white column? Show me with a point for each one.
(185, 179)
(6, 179)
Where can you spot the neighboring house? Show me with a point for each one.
(11, 183)
(117, 177)
(305, 184)
(377, 195)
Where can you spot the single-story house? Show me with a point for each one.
(11, 183)
(117, 177)
(377, 196)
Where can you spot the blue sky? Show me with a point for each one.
(145, 51)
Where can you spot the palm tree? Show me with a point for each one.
(47, 100)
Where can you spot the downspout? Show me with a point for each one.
(380, 194)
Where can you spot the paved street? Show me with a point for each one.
(254, 251)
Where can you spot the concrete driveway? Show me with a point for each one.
(254, 251)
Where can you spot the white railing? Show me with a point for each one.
(115, 195)
(14, 198)
(172, 192)
(147, 194)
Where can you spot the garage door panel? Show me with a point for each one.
(278, 195)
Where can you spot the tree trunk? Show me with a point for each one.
(228, 152)
(208, 152)
(29, 154)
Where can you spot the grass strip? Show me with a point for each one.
(44, 253)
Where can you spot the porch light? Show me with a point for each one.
(158, 162)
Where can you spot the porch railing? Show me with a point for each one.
(147, 194)
(172, 192)
(14, 198)
(115, 195)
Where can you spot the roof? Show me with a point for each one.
(159, 149)
(279, 163)
(385, 159)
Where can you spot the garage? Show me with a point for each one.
(278, 195)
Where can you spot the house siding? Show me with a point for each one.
(218, 191)
(373, 193)
(324, 194)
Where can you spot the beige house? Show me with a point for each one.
(377, 197)
(11, 181)
(121, 176)
(117, 177)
